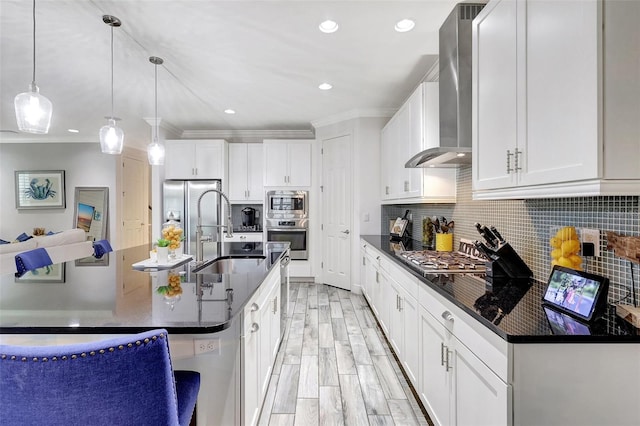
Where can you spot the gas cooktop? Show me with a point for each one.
(465, 261)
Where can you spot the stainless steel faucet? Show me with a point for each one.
(228, 227)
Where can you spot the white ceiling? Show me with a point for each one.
(264, 59)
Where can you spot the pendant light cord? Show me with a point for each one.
(112, 72)
(156, 96)
(34, 43)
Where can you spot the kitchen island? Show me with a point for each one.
(486, 353)
(206, 322)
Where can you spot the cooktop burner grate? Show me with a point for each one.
(435, 262)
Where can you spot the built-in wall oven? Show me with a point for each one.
(293, 231)
(287, 220)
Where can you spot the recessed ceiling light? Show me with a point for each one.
(73, 130)
(229, 111)
(328, 26)
(405, 25)
(325, 86)
(460, 154)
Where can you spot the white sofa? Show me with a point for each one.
(61, 247)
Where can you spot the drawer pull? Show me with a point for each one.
(447, 365)
(254, 307)
(448, 316)
(442, 349)
(254, 327)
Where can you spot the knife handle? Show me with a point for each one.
(497, 234)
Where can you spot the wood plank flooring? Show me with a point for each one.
(335, 367)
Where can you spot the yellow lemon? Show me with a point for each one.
(556, 253)
(555, 242)
(567, 233)
(575, 259)
(570, 247)
(563, 261)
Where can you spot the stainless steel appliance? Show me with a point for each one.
(248, 217)
(293, 231)
(180, 201)
(455, 91)
(467, 260)
(287, 204)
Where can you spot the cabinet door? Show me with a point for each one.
(415, 142)
(264, 335)
(411, 337)
(385, 151)
(250, 385)
(274, 328)
(479, 397)
(562, 84)
(434, 379)
(238, 172)
(178, 163)
(400, 176)
(275, 164)
(396, 334)
(254, 165)
(495, 108)
(299, 164)
(209, 160)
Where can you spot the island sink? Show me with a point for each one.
(230, 265)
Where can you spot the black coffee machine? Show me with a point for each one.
(249, 216)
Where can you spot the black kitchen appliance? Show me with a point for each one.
(503, 262)
(249, 216)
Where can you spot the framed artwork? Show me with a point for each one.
(47, 274)
(40, 189)
(90, 215)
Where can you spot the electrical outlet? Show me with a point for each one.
(591, 236)
(204, 346)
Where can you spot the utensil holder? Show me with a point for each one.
(444, 242)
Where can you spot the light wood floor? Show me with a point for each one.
(335, 367)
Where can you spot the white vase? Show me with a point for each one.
(163, 255)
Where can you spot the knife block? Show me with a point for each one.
(508, 261)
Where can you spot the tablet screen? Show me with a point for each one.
(564, 324)
(575, 292)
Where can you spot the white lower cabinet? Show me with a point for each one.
(260, 342)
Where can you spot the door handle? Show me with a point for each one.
(345, 232)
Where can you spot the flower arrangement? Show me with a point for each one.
(162, 242)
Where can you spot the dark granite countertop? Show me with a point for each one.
(513, 310)
(118, 299)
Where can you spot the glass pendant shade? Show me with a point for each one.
(155, 153)
(33, 111)
(111, 138)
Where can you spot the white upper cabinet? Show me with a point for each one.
(287, 163)
(201, 159)
(245, 172)
(556, 99)
(412, 129)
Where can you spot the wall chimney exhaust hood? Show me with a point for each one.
(455, 92)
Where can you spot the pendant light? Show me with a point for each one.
(33, 111)
(155, 151)
(111, 136)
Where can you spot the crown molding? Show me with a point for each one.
(354, 113)
(170, 130)
(248, 135)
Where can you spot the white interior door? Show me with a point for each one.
(336, 215)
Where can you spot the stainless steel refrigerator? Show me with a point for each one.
(180, 202)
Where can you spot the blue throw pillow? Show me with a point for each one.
(23, 237)
(4, 242)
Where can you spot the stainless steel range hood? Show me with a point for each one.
(455, 92)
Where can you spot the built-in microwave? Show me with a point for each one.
(287, 204)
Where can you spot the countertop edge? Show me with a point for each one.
(375, 240)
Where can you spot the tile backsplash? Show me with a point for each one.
(529, 224)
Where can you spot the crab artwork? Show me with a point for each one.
(40, 192)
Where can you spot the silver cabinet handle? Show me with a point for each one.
(397, 302)
(254, 327)
(442, 349)
(518, 152)
(509, 169)
(446, 360)
(386, 190)
(196, 169)
(254, 307)
(448, 316)
(377, 280)
(400, 303)
(275, 305)
(406, 185)
(345, 232)
(378, 258)
(364, 261)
